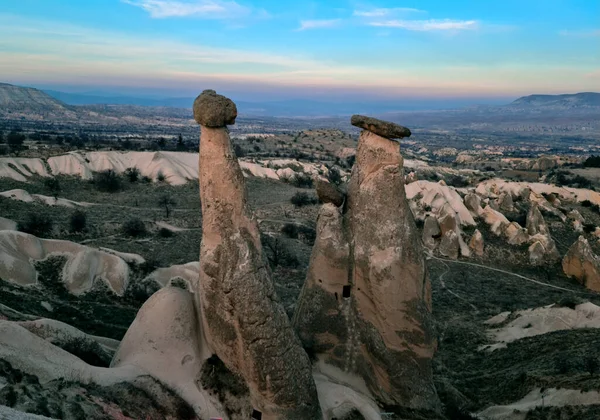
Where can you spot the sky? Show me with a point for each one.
(283, 49)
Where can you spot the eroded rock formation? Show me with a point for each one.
(365, 309)
(244, 323)
(581, 263)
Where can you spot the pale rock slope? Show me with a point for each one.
(84, 266)
(23, 195)
(494, 187)
(167, 341)
(21, 168)
(550, 397)
(532, 322)
(178, 168)
(187, 272)
(7, 224)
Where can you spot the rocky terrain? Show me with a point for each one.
(416, 282)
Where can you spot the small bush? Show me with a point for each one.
(301, 199)
(132, 174)
(591, 364)
(148, 266)
(308, 234)
(592, 162)
(165, 233)
(78, 221)
(334, 176)
(239, 151)
(586, 203)
(457, 181)
(562, 364)
(160, 177)
(52, 185)
(134, 227)
(589, 227)
(570, 301)
(108, 181)
(290, 230)
(278, 253)
(302, 181)
(146, 179)
(36, 224)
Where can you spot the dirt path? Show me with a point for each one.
(443, 283)
(511, 274)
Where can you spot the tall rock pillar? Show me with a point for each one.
(365, 309)
(246, 326)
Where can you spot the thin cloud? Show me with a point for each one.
(383, 12)
(205, 9)
(318, 24)
(590, 33)
(429, 25)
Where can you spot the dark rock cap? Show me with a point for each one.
(382, 128)
(213, 110)
(329, 193)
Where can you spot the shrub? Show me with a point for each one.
(589, 227)
(53, 186)
(146, 179)
(108, 181)
(586, 203)
(592, 162)
(78, 221)
(570, 301)
(562, 363)
(239, 151)
(309, 234)
(132, 174)
(166, 202)
(301, 199)
(290, 230)
(334, 176)
(161, 177)
(302, 181)
(278, 254)
(134, 227)
(148, 266)
(36, 224)
(165, 233)
(591, 364)
(457, 181)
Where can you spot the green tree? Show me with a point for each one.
(180, 144)
(15, 140)
(166, 202)
(53, 186)
(78, 221)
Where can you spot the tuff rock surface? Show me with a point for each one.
(245, 324)
(385, 129)
(365, 309)
(329, 193)
(213, 110)
(581, 263)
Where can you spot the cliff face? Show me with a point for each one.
(245, 324)
(366, 306)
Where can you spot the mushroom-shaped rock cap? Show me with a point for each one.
(382, 128)
(213, 110)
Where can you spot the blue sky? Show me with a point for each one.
(304, 49)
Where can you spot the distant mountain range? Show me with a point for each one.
(24, 99)
(284, 108)
(577, 100)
